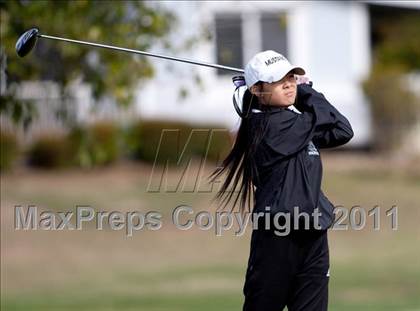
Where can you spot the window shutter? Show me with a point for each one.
(274, 32)
(228, 41)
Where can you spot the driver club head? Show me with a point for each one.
(26, 42)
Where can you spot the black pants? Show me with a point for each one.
(290, 270)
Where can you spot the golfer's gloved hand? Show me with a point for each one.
(303, 80)
(304, 92)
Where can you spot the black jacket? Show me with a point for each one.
(287, 158)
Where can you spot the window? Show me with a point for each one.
(273, 32)
(228, 41)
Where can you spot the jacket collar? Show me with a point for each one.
(275, 109)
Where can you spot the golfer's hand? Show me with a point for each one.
(303, 80)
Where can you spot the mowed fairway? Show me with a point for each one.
(171, 269)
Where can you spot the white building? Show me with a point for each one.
(330, 40)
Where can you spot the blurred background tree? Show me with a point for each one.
(396, 57)
(132, 24)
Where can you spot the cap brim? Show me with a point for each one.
(294, 69)
(298, 70)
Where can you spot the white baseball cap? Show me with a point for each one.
(268, 66)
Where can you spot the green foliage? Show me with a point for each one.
(96, 145)
(103, 143)
(400, 44)
(9, 150)
(133, 24)
(51, 151)
(145, 140)
(144, 137)
(221, 143)
(20, 111)
(395, 108)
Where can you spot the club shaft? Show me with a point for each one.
(184, 60)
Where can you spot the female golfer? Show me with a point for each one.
(276, 155)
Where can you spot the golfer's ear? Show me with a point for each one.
(253, 89)
(256, 89)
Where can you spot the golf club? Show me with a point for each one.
(28, 39)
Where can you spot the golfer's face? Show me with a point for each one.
(280, 93)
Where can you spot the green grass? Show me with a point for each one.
(88, 295)
(150, 303)
(352, 288)
(172, 269)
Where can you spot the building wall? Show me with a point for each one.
(329, 39)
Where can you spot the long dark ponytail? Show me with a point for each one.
(240, 162)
